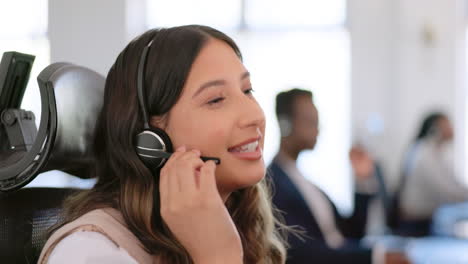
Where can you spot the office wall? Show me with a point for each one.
(408, 58)
(92, 33)
(430, 70)
(372, 28)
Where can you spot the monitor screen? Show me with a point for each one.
(15, 68)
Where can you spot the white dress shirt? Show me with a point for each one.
(320, 207)
(318, 204)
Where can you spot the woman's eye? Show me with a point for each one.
(216, 100)
(249, 91)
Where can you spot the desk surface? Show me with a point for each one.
(435, 250)
(426, 250)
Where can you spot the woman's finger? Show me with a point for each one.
(163, 187)
(188, 164)
(171, 171)
(207, 178)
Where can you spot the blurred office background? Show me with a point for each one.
(376, 67)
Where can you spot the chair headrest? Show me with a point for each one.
(79, 94)
(71, 99)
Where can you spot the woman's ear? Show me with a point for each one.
(159, 122)
(435, 131)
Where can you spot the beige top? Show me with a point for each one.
(86, 247)
(431, 181)
(108, 222)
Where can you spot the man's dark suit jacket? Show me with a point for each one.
(313, 248)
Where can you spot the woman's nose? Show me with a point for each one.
(251, 114)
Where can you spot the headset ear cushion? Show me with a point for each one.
(285, 126)
(150, 141)
(165, 137)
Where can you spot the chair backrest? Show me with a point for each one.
(25, 217)
(73, 96)
(79, 93)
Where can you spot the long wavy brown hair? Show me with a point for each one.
(124, 183)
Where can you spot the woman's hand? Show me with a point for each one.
(362, 163)
(396, 258)
(194, 211)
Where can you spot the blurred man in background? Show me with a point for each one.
(328, 237)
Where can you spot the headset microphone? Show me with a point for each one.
(153, 144)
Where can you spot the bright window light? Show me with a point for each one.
(288, 44)
(317, 61)
(295, 13)
(23, 28)
(219, 14)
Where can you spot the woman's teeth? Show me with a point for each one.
(251, 147)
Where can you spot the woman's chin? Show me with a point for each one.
(250, 178)
(242, 179)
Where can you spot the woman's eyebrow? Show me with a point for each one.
(208, 85)
(220, 82)
(245, 75)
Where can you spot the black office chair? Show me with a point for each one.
(71, 98)
(25, 216)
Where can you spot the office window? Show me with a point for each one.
(219, 14)
(277, 14)
(288, 44)
(462, 164)
(318, 61)
(23, 28)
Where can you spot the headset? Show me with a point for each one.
(153, 145)
(285, 125)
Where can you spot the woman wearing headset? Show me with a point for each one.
(429, 178)
(187, 210)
